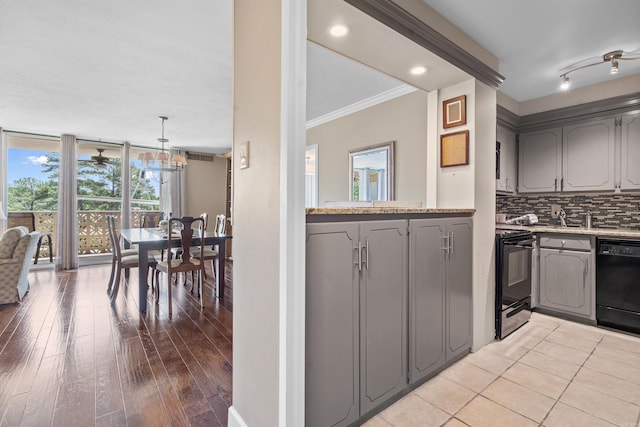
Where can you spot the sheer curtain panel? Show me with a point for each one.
(125, 221)
(3, 178)
(67, 240)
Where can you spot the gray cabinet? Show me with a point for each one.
(332, 388)
(588, 160)
(459, 287)
(540, 161)
(356, 321)
(439, 293)
(566, 277)
(506, 182)
(630, 149)
(383, 311)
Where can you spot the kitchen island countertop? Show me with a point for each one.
(382, 213)
(386, 210)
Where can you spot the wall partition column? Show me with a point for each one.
(67, 241)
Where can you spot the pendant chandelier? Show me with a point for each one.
(160, 160)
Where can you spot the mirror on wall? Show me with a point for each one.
(371, 172)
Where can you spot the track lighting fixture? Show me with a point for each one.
(613, 57)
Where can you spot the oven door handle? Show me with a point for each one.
(517, 310)
(521, 244)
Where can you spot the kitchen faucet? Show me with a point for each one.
(563, 217)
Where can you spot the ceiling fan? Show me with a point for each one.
(613, 57)
(100, 160)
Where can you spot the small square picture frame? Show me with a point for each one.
(454, 112)
(454, 149)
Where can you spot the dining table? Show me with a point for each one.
(149, 239)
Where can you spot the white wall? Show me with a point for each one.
(269, 218)
(484, 217)
(456, 183)
(256, 98)
(403, 119)
(206, 188)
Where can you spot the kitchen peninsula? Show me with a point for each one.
(385, 287)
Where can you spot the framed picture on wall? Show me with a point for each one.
(454, 112)
(454, 149)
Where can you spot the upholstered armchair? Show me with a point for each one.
(17, 247)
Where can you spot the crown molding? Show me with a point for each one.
(361, 105)
(589, 110)
(507, 118)
(402, 21)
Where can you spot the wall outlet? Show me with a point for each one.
(555, 211)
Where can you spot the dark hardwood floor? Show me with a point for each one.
(68, 358)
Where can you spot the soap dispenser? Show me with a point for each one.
(588, 219)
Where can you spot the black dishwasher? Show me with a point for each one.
(618, 284)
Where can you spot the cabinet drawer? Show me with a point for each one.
(565, 242)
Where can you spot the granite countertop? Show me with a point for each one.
(594, 231)
(385, 210)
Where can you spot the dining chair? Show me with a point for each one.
(182, 228)
(123, 253)
(151, 219)
(122, 259)
(210, 253)
(221, 223)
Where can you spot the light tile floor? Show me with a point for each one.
(551, 372)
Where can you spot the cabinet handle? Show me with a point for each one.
(584, 279)
(555, 184)
(450, 242)
(445, 246)
(359, 262)
(367, 255)
(561, 184)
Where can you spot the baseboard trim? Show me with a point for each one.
(235, 420)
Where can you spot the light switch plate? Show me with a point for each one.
(555, 209)
(244, 155)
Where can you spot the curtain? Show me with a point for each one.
(177, 188)
(125, 220)
(67, 238)
(4, 152)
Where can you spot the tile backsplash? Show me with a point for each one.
(607, 209)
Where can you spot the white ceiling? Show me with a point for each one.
(535, 40)
(106, 70)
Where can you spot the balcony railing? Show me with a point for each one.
(93, 235)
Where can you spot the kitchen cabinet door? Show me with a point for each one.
(588, 160)
(565, 281)
(540, 161)
(506, 184)
(459, 287)
(427, 282)
(630, 159)
(383, 311)
(332, 388)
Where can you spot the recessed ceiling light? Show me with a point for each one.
(339, 30)
(418, 70)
